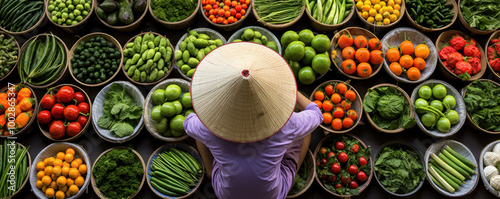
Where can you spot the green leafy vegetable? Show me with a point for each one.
(173, 10)
(120, 113)
(399, 169)
(388, 108)
(118, 173)
(299, 182)
(481, 14)
(482, 101)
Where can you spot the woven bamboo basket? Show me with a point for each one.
(228, 27)
(277, 27)
(32, 30)
(469, 119)
(71, 28)
(26, 128)
(177, 25)
(311, 172)
(322, 27)
(124, 28)
(468, 27)
(374, 27)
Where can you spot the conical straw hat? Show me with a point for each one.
(243, 92)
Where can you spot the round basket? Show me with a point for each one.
(469, 119)
(177, 25)
(311, 172)
(228, 27)
(318, 180)
(277, 27)
(461, 149)
(468, 27)
(445, 38)
(426, 29)
(18, 53)
(402, 145)
(183, 147)
(125, 28)
(51, 151)
(338, 59)
(322, 27)
(26, 179)
(32, 28)
(106, 134)
(94, 186)
(64, 71)
(161, 79)
(460, 108)
(45, 129)
(395, 37)
(211, 33)
(487, 148)
(71, 28)
(357, 106)
(270, 36)
(374, 27)
(86, 38)
(494, 74)
(408, 100)
(26, 128)
(148, 105)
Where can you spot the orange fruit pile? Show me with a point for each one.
(335, 100)
(408, 59)
(359, 54)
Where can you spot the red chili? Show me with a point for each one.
(472, 51)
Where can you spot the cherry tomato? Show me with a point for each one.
(71, 112)
(73, 129)
(57, 111)
(353, 185)
(44, 117)
(362, 161)
(342, 157)
(65, 94)
(84, 108)
(335, 168)
(48, 101)
(79, 97)
(352, 170)
(345, 180)
(330, 155)
(355, 148)
(361, 176)
(331, 178)
(339, 145)
(338, 186)
(83, 120)
(322, 150)
(324, 176)
(324, 161)
(57, 129)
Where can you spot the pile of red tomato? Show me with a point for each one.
(225, 11)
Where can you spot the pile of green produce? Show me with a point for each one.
(307, 54)
(482, 15)
(399, 169)
(20, 15)
(169, 105)
(95, 61)
(343, 165)
(278, 12)
(147, 58)
(430, 14)
(448, 170)
(192, 49)
(121, 13)
(68, 12)
(42, 60)
(175, 172)
(173, 10)
(388, 108)
(118, 173)
(431, 113)
(8, 54)
(482, 101)
(120, 112)
(257, 37)
(299, 182)
(329, 12)
(14, 167)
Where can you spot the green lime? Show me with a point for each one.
(257, 34)
(258, 41)
(178, 107)
(167, 109)
(177, 133)
(156, 113)
(295, 51)
(321, 64)
(439, 91)
(288, 37)
(158, 97)
(248, 34)
(295, 66)
(425, 92)
(309, 54)
(172, 92)
(177, 124)
(273, 46)
(306, 75)
(189, 111)
(186, 100)
(306, 36)
(320, 43)
(162, 125)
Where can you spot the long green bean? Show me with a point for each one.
(278, 12)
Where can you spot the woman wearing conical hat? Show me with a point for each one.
(251, 142)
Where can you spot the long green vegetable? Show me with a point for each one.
(278, 12)
(330, 12)
(42, 60)
(20, 164)
(19, 15)
(449, 170)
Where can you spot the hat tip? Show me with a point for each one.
(245, 73)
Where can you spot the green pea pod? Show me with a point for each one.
(191, 48)
(160, 75)
(144, 47)
(180, 62)
(144, 55)
(151, 53)
(183, 46)
(213, 47)
(191, 38)
(164, 42)
(168, 56)
(190, 73)
(151, 45)
(153, 75)
(137, 75)
(138, 39)
(161, 64)
(200, 54)
(185, 68)
(128, 63)
(149, 63)
(143, 76)
(142, 68)
(163, 51)
(130, 45)
(193, 62)
(218, 42)
(130, 71)
(185, 56)
(131, 52)
(156, 41)
(194, 33)
(177, 55)
(203, 36)
(200, 43)
(207, 50)
(211, 42)
(157, 56)
(135, 58)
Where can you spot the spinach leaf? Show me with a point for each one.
(481, 14)
(388, 108)
(482, 102)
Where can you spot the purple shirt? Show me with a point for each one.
(263, 169)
